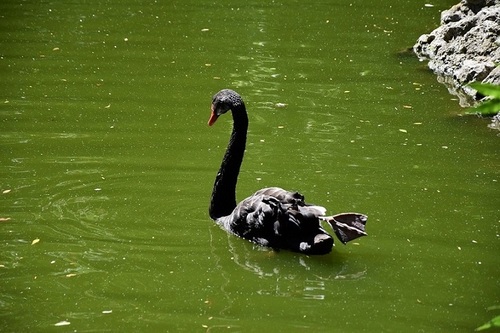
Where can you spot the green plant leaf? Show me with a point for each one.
(487, 89)
(484, 327)
(488, 108)
(495, 322)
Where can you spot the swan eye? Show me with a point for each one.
(220, 107)
(304, 246)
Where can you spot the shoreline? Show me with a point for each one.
(465, 48)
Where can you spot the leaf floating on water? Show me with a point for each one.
(62, 323)
(35, 241)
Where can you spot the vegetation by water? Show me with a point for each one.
(491, 106)
(493, 323)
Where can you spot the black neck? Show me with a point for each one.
(224, 192)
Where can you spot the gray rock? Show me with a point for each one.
(494, 76)
(465, 48)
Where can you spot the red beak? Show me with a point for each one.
(213, 117)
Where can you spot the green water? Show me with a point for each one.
(107, 166)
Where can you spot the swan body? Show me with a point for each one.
(271, 217)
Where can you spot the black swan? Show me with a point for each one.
(271, 217)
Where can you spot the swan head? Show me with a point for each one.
(223, 101)
(304, 234)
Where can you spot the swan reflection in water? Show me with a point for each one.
(286, 274)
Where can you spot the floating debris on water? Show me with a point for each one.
(62, 323)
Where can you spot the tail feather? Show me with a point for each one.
(312, 210)
(347, 226)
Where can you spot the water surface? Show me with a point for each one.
(107, 167)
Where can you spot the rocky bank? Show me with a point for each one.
(465, 47)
